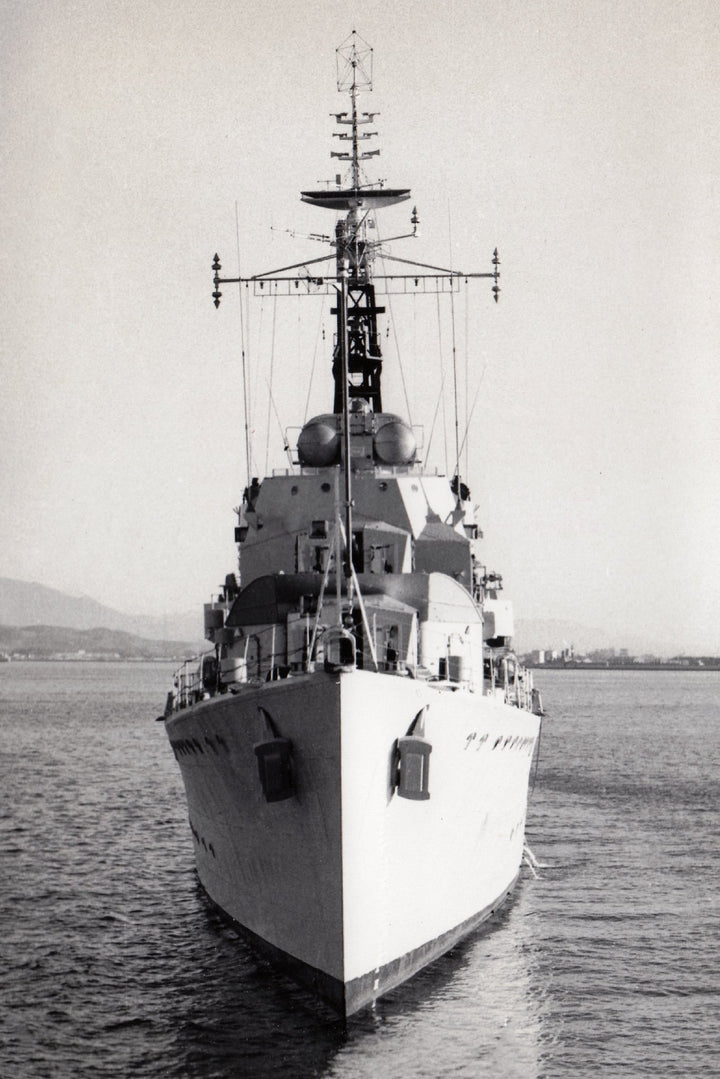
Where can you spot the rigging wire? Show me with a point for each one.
(314, 361)
(270, 383)
(470, 416)
(255, 384)
(286, 446)
(442, 379)
(393, 325)
(467, 378)
(437, 406)
(456, 471)
(246, 400)
(415, 333)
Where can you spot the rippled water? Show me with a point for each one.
(111, 963)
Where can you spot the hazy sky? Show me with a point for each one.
(581, 138)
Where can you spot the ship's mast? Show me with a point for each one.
(359, 375)
(357, 357)
(348, 253)
(354, 72)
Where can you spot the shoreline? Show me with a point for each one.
(690, 665)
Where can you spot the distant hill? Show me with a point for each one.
(45, 642)
(25, 603)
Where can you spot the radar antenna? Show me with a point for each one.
(358, 324)
(358, 373)
(357, 358)
(354, 60)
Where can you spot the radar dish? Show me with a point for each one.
(356, 199)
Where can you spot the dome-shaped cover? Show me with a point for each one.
(394, 442)
(319, 441)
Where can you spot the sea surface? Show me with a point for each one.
(112, 964)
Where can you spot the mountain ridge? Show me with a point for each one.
(61, 642)
(27, 603)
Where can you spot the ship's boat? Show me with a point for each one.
(357, 741)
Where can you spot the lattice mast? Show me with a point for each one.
(357, 357)
(353, 251)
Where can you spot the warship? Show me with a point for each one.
(356, 743)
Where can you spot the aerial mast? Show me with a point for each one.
(360, 376)
(357, 356)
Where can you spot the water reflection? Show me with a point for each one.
(113, 964)
(475, 1012)
(238, 1016)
